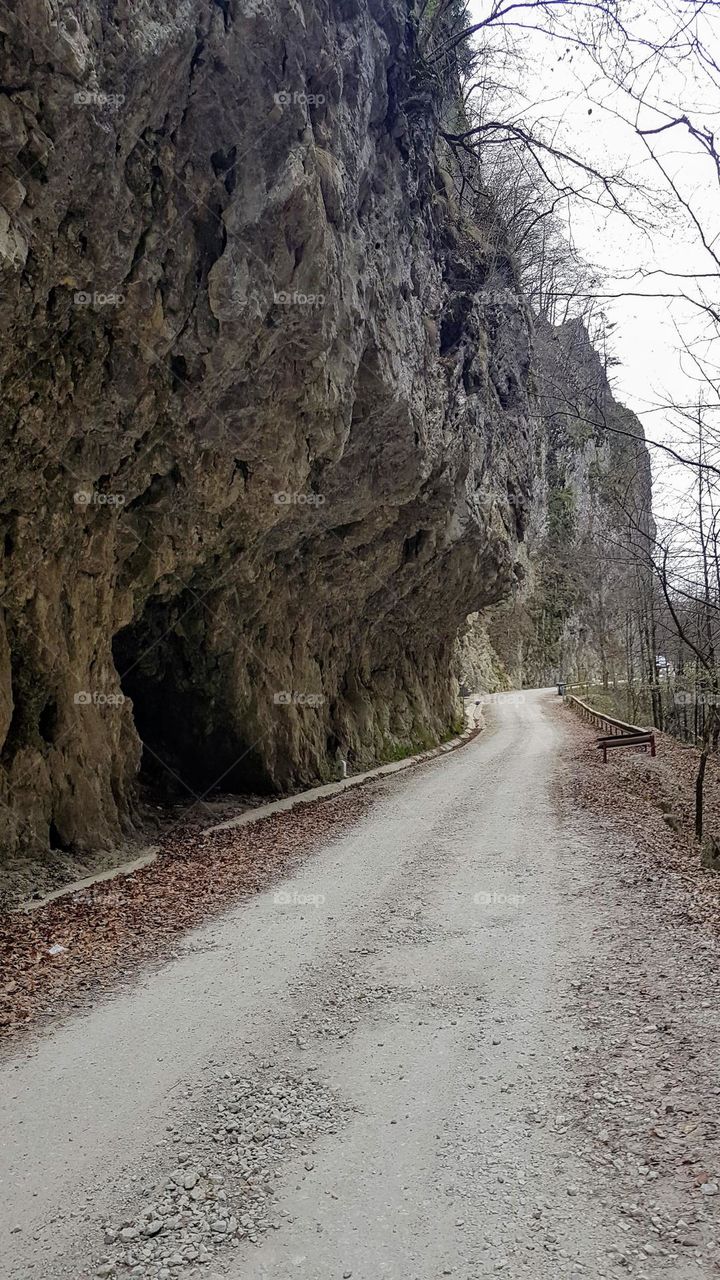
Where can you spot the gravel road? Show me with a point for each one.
(465, 1039)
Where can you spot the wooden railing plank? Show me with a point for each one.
(621, 733)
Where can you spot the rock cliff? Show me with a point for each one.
(264, 405)
(583, 566)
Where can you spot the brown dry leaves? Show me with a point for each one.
(639, 793)
(110, 929)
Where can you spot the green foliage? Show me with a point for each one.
(597, 478)
(401, 748)
(577, 432)
(558, 587)
(430, 12)
(561, 516)
(441, 22)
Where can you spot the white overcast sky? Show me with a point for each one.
(560, 84)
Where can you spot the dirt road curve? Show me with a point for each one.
(467, 1039)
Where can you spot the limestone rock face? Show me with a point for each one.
(584, 564)
(265, 437)
(479, 668)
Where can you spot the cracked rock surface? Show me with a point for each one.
(265, 431)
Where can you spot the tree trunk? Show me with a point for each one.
(699, 788)
(700, 779)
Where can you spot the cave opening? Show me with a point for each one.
(192, 742)
(56, 843)
(48, 721)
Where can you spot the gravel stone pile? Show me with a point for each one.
(222, 1188)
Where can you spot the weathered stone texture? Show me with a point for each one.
(282, 459)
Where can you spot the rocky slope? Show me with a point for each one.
(582, 571)
(479, 666)
(265, 427)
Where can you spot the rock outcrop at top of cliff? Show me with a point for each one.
(264, 423)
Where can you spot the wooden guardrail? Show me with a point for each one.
(620, 734)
